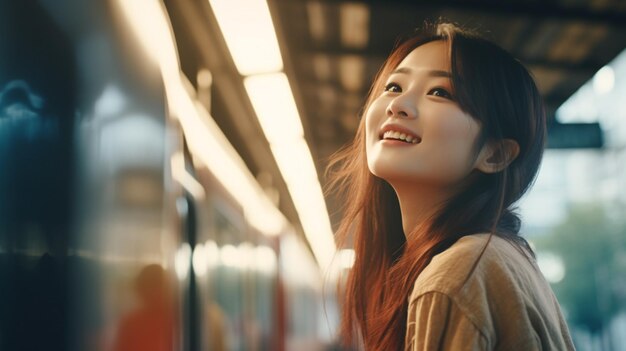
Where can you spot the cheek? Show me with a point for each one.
(372, 115)
(453, 127)
(368, 126)
(454, 132)
(457, 142)
(373, 121)
(369, 142)
(451, 142)
(378, 162)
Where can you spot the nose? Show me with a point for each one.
(402, 107)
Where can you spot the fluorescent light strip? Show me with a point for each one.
(272, 99)
(298, 170)
(275, 107)
(149, 22)
(249, 32)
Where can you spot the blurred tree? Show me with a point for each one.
(592, 244)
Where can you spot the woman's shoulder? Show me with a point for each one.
(493, 285)
(470, 261)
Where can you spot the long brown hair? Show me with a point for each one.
(499, 93)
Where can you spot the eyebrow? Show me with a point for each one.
(432, 73)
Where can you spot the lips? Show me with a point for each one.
(398, 132)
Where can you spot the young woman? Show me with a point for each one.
(452, 135)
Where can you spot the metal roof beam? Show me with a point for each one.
(379, 53)
(539, 10)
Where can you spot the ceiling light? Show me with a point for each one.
(149, 22)
(249, 33)
(296, 165)
(275, 107)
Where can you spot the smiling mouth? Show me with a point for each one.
(399, 136)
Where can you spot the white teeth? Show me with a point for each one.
(392, 134)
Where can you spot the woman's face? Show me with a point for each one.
(438, 136)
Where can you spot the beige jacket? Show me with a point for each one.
(504, 304)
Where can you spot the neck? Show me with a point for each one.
(418, 203)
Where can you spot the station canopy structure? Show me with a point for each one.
(331, 50)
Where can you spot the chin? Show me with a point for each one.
(388, 173)
(377, 166)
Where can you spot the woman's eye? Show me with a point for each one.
(441, 92)
(393, 87)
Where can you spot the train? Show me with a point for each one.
(119, 229)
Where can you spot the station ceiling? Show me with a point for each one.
(333, 49)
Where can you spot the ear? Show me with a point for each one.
(496, 155)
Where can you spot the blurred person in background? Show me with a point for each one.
(151, 325)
